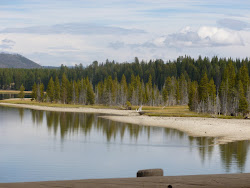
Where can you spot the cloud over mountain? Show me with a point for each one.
(6, 44)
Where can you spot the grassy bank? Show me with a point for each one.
(179, 111)
(159, 111)
(48, 104)
(13, 92)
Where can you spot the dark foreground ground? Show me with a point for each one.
(222, 180)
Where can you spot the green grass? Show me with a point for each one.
(29, 102)
(179, 111)
(13, 92)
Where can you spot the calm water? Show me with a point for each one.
(9, 96)
(39, 145)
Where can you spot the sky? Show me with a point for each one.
(55, 32)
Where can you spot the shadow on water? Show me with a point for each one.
(65, 123)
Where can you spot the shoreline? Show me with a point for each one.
(224, 130)
(191, 181)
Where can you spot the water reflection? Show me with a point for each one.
(233, 155)
(208, 149)
(37, 116)
(235, 152)
(21, 113)
(10, 96)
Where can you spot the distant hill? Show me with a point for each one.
(16, 61)
(50, 67)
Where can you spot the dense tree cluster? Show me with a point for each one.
(231, 97)
(66, 92)
(208, 86)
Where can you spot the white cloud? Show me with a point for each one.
(204, 37)
(219, 36)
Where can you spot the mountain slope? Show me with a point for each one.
(16, 61)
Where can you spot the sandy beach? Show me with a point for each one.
(224, 130)
(194, 181)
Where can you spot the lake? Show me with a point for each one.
(11, 95)
(41, 146)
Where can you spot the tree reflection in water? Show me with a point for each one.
(37, 116)
(21, 113)
(231, 154)
(234, 152)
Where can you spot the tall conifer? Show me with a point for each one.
(51, 90)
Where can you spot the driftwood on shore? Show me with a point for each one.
(142, 112)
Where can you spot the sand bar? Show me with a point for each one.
(225, 130)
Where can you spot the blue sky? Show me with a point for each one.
(66, 32)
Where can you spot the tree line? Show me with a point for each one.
(218, 86)
(159, 70)
(112, 92)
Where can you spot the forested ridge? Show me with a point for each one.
(218, 86)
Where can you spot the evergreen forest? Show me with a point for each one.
(214, 86)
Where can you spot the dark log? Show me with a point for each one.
(150, 172)
(142, 112)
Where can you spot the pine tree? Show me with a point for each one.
(177, 92)
(108, 91)
(248, 97)
(21, 93)
(224, 97)
(69, 92)
(38, 94)
(243, 105)
(193, 96)
(51, 90)
(183, 89)
(34, 92)
(100, 89)
(115, 91)
(211, 103)
(168, 91)
(63, 89)
(75, 94)
(83, 91)
(131, 90)
(41, 92)
(145, 95)
(165, 95)
(90, 94)
(124, 90)
(230, 81)
(57, 90)
(76, 89)
(203, 88)
(244, 77)
(150, 92)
